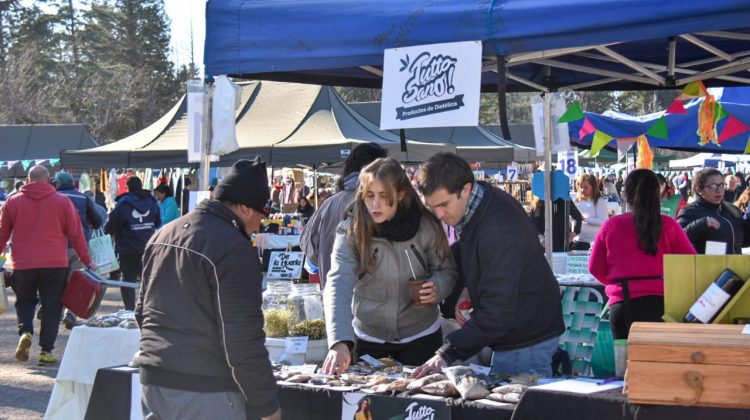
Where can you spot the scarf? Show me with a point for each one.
(402, 227)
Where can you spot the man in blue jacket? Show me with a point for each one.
(133, 220)
(514, 295)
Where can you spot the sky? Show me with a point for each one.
(182, 14)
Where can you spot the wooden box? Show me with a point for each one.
(689, 365)
(686, 277)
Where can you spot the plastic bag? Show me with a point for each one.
(226, 100)
(103, 253)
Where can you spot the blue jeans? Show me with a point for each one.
(536, 359)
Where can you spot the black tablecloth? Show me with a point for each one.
(610, 405)
(110, 397)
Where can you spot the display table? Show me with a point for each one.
(88, 350)
(272, 241)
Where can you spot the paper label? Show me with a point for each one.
(716, 248)
(296, 345)
(480, 370)
(371, 360)
(577, 264)
(300, 369)
(709, 303)
(746, 330)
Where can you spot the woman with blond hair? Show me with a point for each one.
(593, 208)
(387, 238)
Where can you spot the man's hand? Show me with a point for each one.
(428, 293)
(712, 223)
(434, 365)
(274, 416)
(338, 359)
(463, 297)
(92, 265)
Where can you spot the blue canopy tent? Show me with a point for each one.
(681, 128)
(543, 45)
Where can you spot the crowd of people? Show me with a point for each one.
(390, 273)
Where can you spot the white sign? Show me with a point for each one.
(296, 345)
(512, 173)
(560, 136)
(434, 85)
(716, 248)
(285, 265)
(577, 264)
(568, 163)
(196, 111)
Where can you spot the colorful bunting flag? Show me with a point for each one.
(720, 112)
(693, 90)
(573, 113)
(733, 127)
(26, 164)
(677, 107)
(12, 163)
(53, 162)
(39, 161)
(587, 129)
(623, 145)
(659, 129)
(747, 146)
(645, 154)
(600, 140)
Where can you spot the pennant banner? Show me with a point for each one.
(600, 140)
(733, 127)
(659, 129)
(747, 146)
(53, 162)
(12, 163)
(623, 145)
(677, 107)
(26, 164)
(587, 129)
(573, 113)
(693, 90)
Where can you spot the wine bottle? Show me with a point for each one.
(715, 298)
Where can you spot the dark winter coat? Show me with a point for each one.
(734, 231)
(200, 309)
(515, 296)
(86, 209)
(134, 219)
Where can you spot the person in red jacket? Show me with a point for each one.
(41, 222)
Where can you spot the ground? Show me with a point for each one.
(25, 388)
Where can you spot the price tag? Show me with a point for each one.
(577, 264)
(371, 360)
(512, 173)
(716, 248)
(296, 345)
(480, 370)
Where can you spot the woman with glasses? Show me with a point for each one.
(711, 220)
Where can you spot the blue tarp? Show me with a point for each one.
(682, 128)
(328, 41)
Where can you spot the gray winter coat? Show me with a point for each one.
(379, 303)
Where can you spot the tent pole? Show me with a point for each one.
(315, 184)
(205, 165)
(502, 104)
(548, 176)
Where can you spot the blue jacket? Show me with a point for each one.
(134, 219)
(90, 219)
(169, 210)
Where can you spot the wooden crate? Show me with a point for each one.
(686, 277)
(689, 365)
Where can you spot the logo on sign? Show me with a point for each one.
(415, 411)
(431, 77)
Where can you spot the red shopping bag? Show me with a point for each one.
(85, 291)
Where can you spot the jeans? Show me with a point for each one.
(535, 359)
(50, 284)
(131, 266)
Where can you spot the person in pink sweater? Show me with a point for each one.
(632, 246)
(41, 222)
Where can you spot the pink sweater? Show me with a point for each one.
(615, 254)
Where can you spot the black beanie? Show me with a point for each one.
(246, 183)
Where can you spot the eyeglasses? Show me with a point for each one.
(716, 187)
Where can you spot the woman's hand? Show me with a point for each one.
(338, 359)
(428, 293)
(434, 365)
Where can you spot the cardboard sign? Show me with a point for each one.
(285, 265)
(512, 173)
(577, 264)
(568, 163)
(431, 85)
(383, 407)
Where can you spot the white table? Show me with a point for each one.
(88, 350)
(273, 241)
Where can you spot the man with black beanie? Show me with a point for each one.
(203, 349)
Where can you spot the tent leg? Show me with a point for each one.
(205, 165)
(548, 176)
(315, 184)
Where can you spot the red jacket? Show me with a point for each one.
(42, 222)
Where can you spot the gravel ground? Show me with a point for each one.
(25, 388)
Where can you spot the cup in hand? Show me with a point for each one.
(415, 287)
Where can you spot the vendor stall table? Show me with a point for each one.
(88, 349)
(265, 241)
(111, 401)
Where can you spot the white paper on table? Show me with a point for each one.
(492, 402)
(716, 248)
(746, 330)
(579, 386)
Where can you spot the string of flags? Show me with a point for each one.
(709, 115)
(26, 164)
